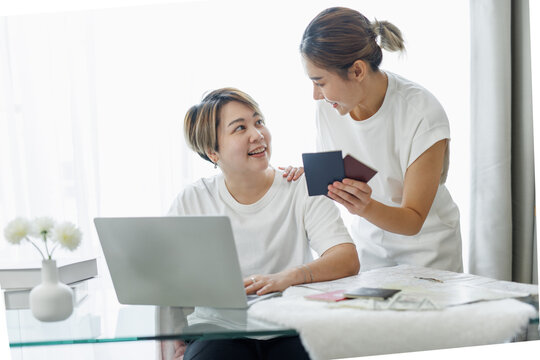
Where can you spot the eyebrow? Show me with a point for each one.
(255, 114)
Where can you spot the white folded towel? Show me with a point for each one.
(329, 333)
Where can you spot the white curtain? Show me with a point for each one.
(92, 103)
(47, 124)
(502, 166)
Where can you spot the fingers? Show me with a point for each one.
(253, 283)
(179, 350)
(292, 173)
(354, 195)
(358, 184)
(268, 288)
(340, 200)
(350, 189)
(286, 170)
(260, 285)
(250, 280)
(298, 172)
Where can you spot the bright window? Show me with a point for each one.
(94, 101)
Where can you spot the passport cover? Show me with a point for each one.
(354, 169)
(332, 296)
(366, 292)
(323, 168)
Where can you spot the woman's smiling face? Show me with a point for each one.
(329, 86)
(243, 139)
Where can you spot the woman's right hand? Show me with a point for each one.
(292, 173)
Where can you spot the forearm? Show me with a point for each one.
(399, 220)
(337, 262)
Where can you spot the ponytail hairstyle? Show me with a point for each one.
(339, 36)
(202, 120)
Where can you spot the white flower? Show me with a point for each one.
(67, 235)
(42, 225)
(17, 229)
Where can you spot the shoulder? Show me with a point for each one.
(415, 100)
(299, 193)
(292, 189)
(202, 186)
(200, 191)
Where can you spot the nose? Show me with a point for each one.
(256, 135)
(317, 94)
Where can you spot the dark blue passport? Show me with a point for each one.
(323, 168)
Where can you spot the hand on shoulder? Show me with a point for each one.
(292, 173)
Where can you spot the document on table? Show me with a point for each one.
(443, 288)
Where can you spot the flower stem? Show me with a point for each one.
(44, 233)
(54, 248)
(38, 249)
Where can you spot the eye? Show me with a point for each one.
(239, 128)
(260, 122)
(318, 84)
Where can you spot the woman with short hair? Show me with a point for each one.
(274, 221)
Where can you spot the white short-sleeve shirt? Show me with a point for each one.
(408, 123)
(277, 231)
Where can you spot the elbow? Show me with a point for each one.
(354, 265)
(414, 230)
(356, 268)
(414, 225)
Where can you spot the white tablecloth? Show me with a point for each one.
(328, 332)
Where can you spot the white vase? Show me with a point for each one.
(51, 300)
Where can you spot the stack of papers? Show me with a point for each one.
(424, 288)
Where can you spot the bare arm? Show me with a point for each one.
(337, 262)
(420, 187)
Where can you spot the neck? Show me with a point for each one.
(377, 84)
(249, 188)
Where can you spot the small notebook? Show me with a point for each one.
(323, 168)
(376, 293)
(332, 296)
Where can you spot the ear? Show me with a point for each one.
(212, 155)
(358, 70)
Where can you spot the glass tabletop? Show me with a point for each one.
(99, 318)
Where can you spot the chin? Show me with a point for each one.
(341, 111)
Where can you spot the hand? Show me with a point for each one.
(354, 195)
(264, 284)
(292, 173)
(179, 348)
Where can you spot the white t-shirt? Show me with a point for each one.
(276, 232)
(408, 123)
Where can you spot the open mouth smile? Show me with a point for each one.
(258, 151)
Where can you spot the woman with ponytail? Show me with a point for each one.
(406, 214)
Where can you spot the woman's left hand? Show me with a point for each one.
(354, 195)
(264, 284)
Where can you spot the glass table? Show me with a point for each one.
(99, 318)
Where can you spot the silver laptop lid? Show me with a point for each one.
(173, 261)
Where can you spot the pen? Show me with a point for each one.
(429, 279)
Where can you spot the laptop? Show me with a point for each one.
(173, 261)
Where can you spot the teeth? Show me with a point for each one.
(257, 151)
